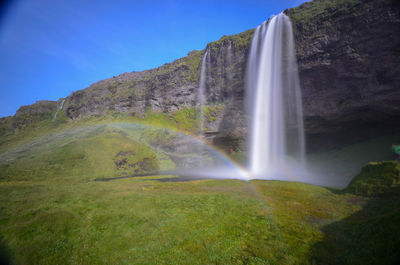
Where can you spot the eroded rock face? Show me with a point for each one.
(40, 107)
(41, 110)
(164, 89)
(349, 65)
(174, 86)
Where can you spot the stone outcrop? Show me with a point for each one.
(164, 89)
(349, 65)
(25, 115)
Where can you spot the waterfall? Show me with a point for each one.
(277, 142)
(202, 99)
(59, 108)
(228, 73)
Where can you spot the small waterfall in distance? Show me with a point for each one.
(59, 108)
(228, 71)
(202, 91)
(207, 165)
(201, 102)
(277, 145)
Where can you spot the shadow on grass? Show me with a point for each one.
(175, 177)
(5, 253)
(369, 236)
(338, 191)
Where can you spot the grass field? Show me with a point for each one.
(53, 212)
(141, 221)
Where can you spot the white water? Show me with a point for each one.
(59, 108)
(202, 90)
(228, 71)
(277, 146)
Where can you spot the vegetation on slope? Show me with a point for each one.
(376, 178)
(140, 221)
(329, 8)
(52, 212)
(368, 236)
(185, 120)
(92, 152)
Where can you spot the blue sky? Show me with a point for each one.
(49, 48)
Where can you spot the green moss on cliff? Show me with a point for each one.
(5, 127)
(308, 11)
(238, 41)
(184, 70)
(185, 119)
(211, 113)
(326, 11)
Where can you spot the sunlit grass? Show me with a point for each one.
(53, 212)
(148, 222)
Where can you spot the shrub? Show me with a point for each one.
(376, 178)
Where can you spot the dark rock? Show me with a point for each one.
(120, 163)
(25, 115)
(147, 165)
(349, 64)
(40, 107)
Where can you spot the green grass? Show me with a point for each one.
(83, 153)
(376, 178)
(146, 222)
(53, 212)
(369, 236)
(184, 120)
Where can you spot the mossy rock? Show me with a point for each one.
(376, 178)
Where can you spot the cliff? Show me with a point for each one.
(26, 115)
(349, 64)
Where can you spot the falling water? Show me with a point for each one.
(59, 108)
(228, 70)
(202, 90)
(277, 132)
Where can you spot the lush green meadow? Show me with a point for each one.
(53, 212)
(141, 221)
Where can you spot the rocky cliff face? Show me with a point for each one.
(174, 86)
(170, 87)
(164, 89)
(41, 110)
(349, 65)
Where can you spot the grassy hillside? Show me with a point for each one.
(141, 221)
(53, 212)
(94, 151)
